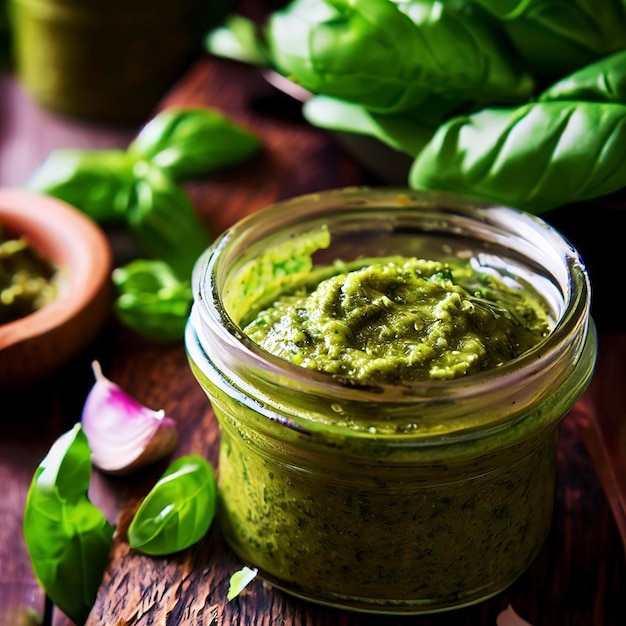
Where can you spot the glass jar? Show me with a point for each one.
(394, 498)
(106, 60)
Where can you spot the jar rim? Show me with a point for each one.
(575, 307)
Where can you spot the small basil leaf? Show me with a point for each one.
(67, 537)
(97, 182)
(602, 81)
(535, 157)
(399, 132)
(178, 510)
(238, 38)
(187, 142)
(152, 300)
(163, 221)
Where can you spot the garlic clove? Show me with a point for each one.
(123, 434)
(509, 617)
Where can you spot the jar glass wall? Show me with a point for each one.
(399, 498)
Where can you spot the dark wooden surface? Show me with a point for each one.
(578, 579)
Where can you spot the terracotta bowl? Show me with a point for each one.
(33, 346)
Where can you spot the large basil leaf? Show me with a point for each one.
(97, 182)
(389, 57)
(163, 221)
(178, 510)
(557, 37)
(507, 9)
(193, 141)
(602, 81)
(535, 157)
(67, 537)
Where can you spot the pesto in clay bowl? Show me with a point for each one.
(389, 369)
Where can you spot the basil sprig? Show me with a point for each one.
(178, 510)
(568, 146)
(67, 537)
(139, 189)
(161, 217)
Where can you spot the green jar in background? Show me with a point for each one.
(106, 60)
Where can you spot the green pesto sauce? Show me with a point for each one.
(356, 520)
(424, 539)
(26, 279)
(402, 319)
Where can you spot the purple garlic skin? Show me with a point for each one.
(123, 434)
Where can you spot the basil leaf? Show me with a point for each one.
(97, 182)
(152, 300)
(187, 142)
(239, 39)
(506, 9)
(179, 509)
(602, 81)
(163, 221)
(67, 537)
(468, 56)
(391, 56)
(535, 157)
(555, 38)
(399, 132)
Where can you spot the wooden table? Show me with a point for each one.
(578, 579)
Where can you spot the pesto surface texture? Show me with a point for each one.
(402, 319)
